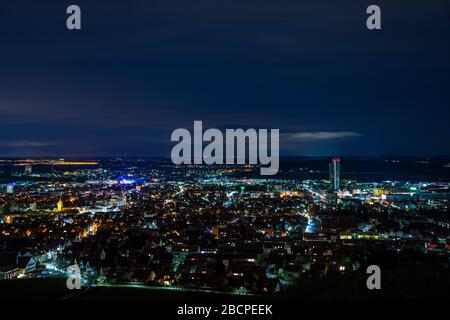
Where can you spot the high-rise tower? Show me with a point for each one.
(335, 170)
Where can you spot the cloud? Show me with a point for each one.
(319, 135)
(25, 143)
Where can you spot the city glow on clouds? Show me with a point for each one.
(320, 135)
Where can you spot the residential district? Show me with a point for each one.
(218, 228)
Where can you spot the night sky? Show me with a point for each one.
(139, 69)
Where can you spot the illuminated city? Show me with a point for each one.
(149, 223)
(248, 159)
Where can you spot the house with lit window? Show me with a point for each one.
(26, 262)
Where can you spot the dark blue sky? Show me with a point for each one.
(139, 69)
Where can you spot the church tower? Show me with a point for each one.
(59, 205)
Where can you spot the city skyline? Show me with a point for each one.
(133, 228)
(224, 158)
